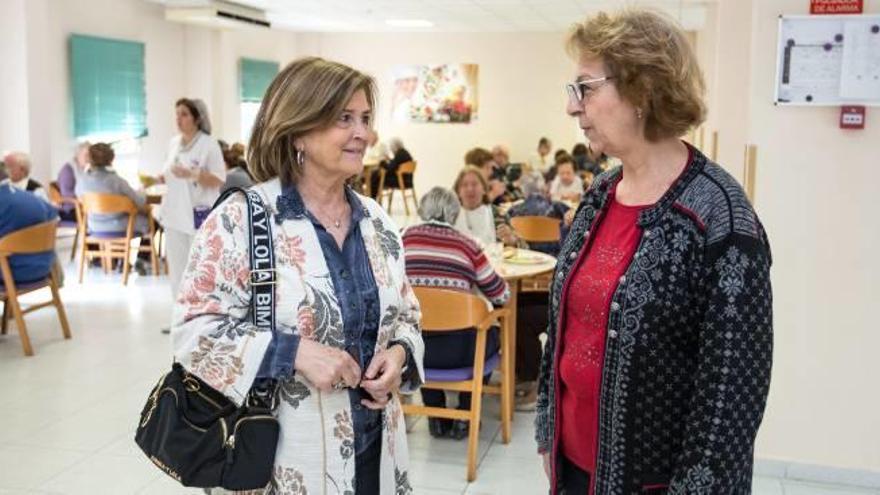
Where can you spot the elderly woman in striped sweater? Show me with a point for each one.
(438, 255)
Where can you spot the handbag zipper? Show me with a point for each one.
(230, 442)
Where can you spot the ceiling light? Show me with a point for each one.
(409, 23)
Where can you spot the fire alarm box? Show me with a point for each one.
(852, 117)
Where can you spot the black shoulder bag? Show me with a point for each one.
(194, 433)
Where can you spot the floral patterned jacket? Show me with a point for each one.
(689, 340)
(214, 338)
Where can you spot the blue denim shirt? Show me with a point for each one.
(358, 298)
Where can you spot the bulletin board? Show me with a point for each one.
(828, 60)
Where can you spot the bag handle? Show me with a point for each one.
(262, 279)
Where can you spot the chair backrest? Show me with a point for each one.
(407, 168)
(54, 193)
(37, 238)
(107, 203)
(446, 310)
(536, 229)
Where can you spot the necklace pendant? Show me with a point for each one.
(337, 223)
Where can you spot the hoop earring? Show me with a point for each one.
(639, 113)
(300, 157)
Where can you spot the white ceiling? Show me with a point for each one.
(449, 15)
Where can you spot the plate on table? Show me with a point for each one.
(525, 258)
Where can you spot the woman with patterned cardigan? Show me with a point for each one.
(347, 322)
(657, 365)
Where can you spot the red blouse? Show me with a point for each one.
(594, 279)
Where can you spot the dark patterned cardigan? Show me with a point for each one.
(688, 345)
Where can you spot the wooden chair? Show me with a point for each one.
(38, 238)
(58, 201)
(470, 312)
(407, 168)
(113, 245)
(536, 229)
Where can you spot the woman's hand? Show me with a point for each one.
(547, 470)
(506, 234)
(181, 172)
(383, 376)
(568, 218)
(326, 366)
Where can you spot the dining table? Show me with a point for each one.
(516, 265)
(155, 193)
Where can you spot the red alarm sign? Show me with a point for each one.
(836, 6)
(852, 117)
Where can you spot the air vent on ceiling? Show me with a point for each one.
(219, 14)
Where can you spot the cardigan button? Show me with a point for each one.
(587, 234)
(612, 334)
(615, 306)
(622, 279)
(573, 256)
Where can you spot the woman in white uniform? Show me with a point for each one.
(194, 172)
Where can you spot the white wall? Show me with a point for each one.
(817, 192)
(14, 115)
(180, 60)
(521, 91)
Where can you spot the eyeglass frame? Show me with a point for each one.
(576, 89)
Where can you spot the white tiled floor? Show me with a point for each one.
(69, 413)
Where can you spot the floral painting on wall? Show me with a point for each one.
(445, 93)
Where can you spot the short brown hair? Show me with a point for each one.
(101, 155)
(653, 65)
(309, 94)
(470, 169)
(565, 158)
(478, 157)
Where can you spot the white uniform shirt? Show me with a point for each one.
(479, 223)
(558, 189)
(203, 152)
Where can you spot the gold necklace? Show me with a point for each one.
(337, 222)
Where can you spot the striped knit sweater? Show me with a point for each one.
(437, 255)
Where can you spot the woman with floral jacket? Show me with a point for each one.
(347, 337)
(657, 365)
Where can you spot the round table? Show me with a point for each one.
(155, 193)
(524, 264)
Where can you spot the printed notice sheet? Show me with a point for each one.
(828, 60)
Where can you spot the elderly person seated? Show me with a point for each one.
(567, 186)
(18, 166)
(18, 210)
(67, 179)
(501, 155)
(531, 318)
(237, 174)
(100, 178)
(494, 175)
(479, 218)
(438, 255)
(538, 204)
(400, 156)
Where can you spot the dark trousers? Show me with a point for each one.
(531, 322)
(572, 479)
(390, 182)
(454, 350)
(366, 473)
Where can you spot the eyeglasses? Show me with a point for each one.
(578, 91)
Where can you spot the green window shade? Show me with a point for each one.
(256, 75)
(107, 87)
